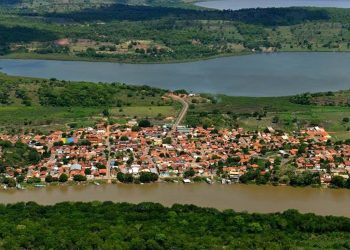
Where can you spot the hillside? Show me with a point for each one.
(132, 33)
(44, 105)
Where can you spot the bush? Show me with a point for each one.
(144, 123)
(49, 179)
(125, 178)
(63, 178)
(79, 178)
(338, 181)
(33, 180)
(146, 177)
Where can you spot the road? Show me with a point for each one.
(182, 114)
(108, 174)
(177, 122)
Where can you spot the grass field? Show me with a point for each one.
(159, 112)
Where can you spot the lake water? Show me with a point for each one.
(249, 198)
(274, 74)
(244, 4)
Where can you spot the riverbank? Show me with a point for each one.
(251, 198)
(74, 58)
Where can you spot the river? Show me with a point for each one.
(249, 198)
(276, 74)
(244, 4)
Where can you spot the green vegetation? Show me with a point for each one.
(153, 33)
(44, 6)
(17, 155)
(45, 105)
(285, 113)
(152, 226)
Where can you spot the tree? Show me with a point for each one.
(189, 173)
(63, 178)
(87, 171)
(275, 119)
(135, 128)
(128, 178)
(48, 179)
(20, 178)
(144, 123)
(146, 177)
(121, 177)
(125, 178)
(338, 181)
(347, 183)
(105, 112)
(167, 140)
(10, 182)
(33, 180)
(34, 156)
(79, 178)
(124, 138)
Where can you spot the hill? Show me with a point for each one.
(44, 105)
(133, 33)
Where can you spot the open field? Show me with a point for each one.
(159, 112)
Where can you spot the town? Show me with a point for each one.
(140, 152)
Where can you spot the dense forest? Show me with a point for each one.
(269, 16)
(107, 225)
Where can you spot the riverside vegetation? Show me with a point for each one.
(154, 32)
(152, 226)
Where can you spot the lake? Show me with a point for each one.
(244, 4)
(274, 74)
(239, 197)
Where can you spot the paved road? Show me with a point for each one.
(182, 114)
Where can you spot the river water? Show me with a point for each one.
(244, 4)
(249, 198)
(275, 74)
